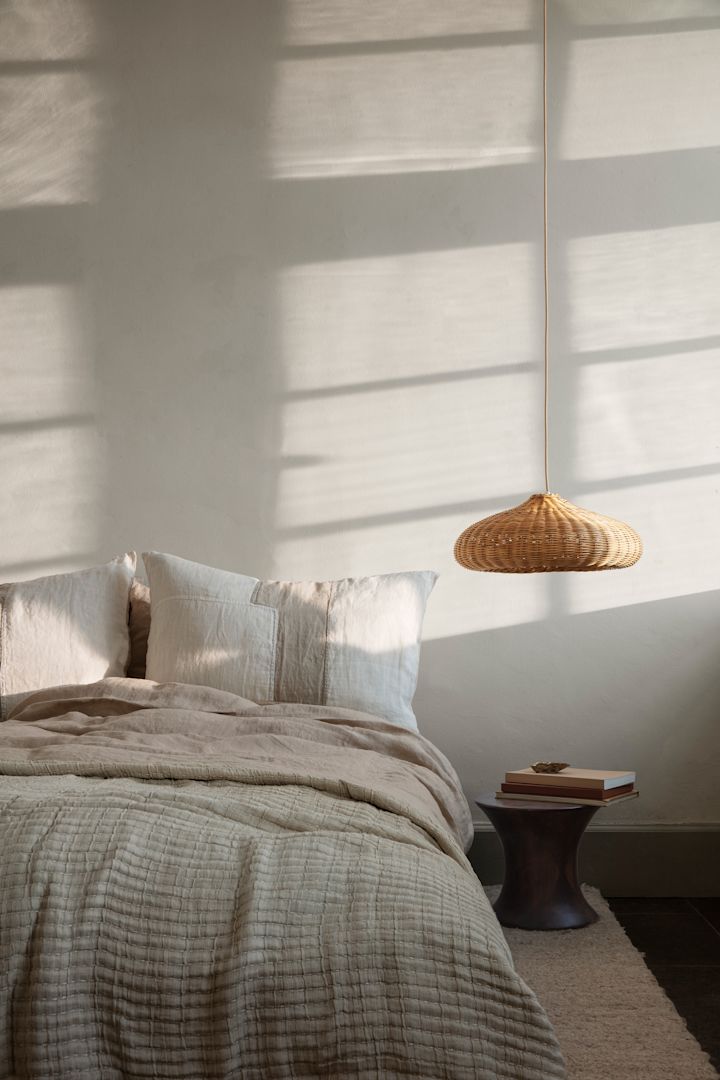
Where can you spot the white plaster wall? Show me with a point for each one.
(270, 298)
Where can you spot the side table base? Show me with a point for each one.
(540, 841)
(562, 913)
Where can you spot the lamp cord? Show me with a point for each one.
(545, 247)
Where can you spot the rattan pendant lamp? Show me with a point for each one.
(546, 532)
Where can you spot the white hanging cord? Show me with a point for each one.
(545, 245)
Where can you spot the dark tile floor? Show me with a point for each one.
(680, 939)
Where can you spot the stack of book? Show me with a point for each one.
(596, 787)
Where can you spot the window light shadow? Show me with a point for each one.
(409, 381)
(569, 687)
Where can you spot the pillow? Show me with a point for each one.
(353, 643)
(68, 628)
(139, 626)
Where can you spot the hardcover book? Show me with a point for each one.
(595, 779)
(510, 795)
(567, 792)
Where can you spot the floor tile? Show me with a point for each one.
(679, 938)
(648, 905)
(709, 908)
(695, 992)
(673, 937)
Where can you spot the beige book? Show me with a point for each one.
(600, 779)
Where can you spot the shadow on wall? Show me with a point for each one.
(635, 687)
(270, 290)
(50, 467)
(310, 309)
(137, 283)
(183, 287)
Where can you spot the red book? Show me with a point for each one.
(566, 792)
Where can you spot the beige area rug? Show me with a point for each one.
(611, 1016)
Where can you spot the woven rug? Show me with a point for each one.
(611, 1017)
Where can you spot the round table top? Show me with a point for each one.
(491, 802)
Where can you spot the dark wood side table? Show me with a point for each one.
(540, 841)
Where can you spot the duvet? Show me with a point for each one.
(196, 886)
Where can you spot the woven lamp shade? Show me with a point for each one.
(547, 533)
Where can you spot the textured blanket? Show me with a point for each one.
(195, 886)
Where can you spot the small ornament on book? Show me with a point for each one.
(549, 766)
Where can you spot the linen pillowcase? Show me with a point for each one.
(353, 643)
(68, 628)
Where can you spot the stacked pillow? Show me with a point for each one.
(69, 628)
(352, 643)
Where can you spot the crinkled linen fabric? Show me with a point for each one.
(352, 643)
(197, 886)
(65, 628)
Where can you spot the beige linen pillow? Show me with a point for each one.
(353, 643)
(68, 628)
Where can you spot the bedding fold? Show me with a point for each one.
(132, 727)
(195, 885)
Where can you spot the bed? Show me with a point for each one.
(195, 885)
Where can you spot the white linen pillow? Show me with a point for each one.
(68, 628)
(353, 643)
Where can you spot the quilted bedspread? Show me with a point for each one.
(196, 886)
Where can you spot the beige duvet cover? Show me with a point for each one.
(196, 886)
